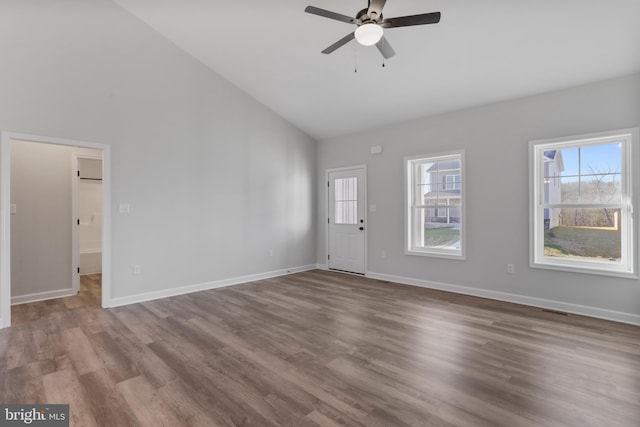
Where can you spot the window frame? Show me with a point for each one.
(628, 266)
(409, 184)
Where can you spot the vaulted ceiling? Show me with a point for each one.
(481, 52)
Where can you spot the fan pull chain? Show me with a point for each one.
(383, 64)
(355, 58)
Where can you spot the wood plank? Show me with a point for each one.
(147, 405)
(80, 351)
(24, 384)
(21, 349)
(108, 407)
(63, 387)
(232, 405)
(113, 359)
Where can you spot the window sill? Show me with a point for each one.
(456, 255)
(592, 270)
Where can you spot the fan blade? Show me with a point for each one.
(375, 8)
(407, 21)
(328, 14)
(346, 39)
(385, 48)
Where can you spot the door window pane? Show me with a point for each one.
(346, 201)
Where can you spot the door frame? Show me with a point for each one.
(363, 167)
(5, 214)
(75, 209)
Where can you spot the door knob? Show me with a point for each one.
(361, 228)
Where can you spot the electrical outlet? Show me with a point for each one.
(136, 269)
(511, 269)
(270, 252)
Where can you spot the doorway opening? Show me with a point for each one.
(87, 190)
(49, 222)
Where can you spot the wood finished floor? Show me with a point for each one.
(320, 349)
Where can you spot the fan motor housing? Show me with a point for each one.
(364, 18)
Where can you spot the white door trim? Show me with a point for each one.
(75, 233)
(5, 215)
(328, 212)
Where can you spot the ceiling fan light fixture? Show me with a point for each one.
(369, 34)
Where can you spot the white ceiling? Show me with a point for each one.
(480, 52)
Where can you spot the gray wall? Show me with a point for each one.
(214, 179)
(495, 139)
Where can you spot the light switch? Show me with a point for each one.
(124, 208)
(373, 208)
(13, 208)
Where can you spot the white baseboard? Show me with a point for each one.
(90, 273)
(600, 313)
(149, 296)
(90, 262)
(91, 251)
(41, 296)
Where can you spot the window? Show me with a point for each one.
(346, 201)
(582, 203)
(435, 205)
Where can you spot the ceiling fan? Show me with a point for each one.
(371, 24)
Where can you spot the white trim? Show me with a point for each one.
(91, 251)
(328, 210)
(90, 273)
(5, 218)
(583, 310)
(75, 233)
(106, 226)
(150, 296)
(5, 229)
(42, 296)
(631, 176)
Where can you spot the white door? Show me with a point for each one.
(346, 233)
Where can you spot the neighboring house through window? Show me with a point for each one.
(435, 205)
(553, 168)
(582, 203)
(452, 182)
